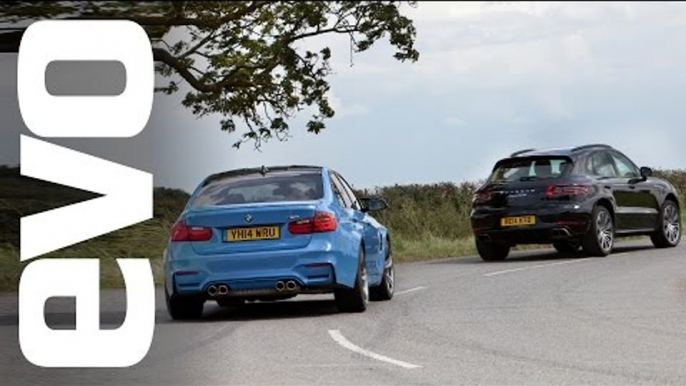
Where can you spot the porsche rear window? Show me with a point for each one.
(527, 169)
(256, 188)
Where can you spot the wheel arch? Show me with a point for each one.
(609, 205)
(386, 236)
(671, 196)
(363, 249)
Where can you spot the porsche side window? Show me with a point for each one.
(600, 164)
(624, 166)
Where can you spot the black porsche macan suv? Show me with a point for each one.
(576, 197)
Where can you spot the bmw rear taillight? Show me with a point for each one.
(182, 232)
(482, 197)
(321, 222)
(558, 191)
(301, 227)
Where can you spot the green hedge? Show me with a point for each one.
(426, 221)
(419, 211)
(442, 210)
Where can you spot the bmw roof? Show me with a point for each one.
(262, 170)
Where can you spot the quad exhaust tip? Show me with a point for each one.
(217, 290)
(289, 285)
(223, 290)
(280, 286)
(212, 290)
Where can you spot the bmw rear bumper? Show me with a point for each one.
(313, 269)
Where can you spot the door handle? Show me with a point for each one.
(608, 187)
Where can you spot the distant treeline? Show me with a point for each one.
(21, 196)
(426, 221)
(415, 211)
(419, 211)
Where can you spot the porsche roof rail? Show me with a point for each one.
(584, 147)
(521, 152)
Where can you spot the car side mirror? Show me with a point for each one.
(646, 172)
(373, 204)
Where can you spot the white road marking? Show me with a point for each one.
(410, 290)
(340, 365)
(341, 340)
(537, 266)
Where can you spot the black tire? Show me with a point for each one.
(385, 290)
(567, 246)
(355, 299)
(231, 302)
(184, 308)
(600, 239)
(668, 233)
(492, 251)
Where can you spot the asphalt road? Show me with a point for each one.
(537, 318)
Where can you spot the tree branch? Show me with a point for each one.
(324, 31)
(182, 69)
(179, 20)
(199, 45)
(9, 42)
(165, 57)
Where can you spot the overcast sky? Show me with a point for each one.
(492, 78)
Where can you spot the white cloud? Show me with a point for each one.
(507, 76)
(492, 77)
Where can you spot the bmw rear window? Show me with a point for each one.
(258, 188)
(530, 169)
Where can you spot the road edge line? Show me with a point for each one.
(342, 341)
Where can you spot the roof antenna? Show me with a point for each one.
(264, 171)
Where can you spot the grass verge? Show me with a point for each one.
(431, 247)
(438, 213)
(147, 240)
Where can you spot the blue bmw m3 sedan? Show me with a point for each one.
(272, 233)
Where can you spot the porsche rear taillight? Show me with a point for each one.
(321, 222)
(558, 191)
(182, 232)
(482, 197)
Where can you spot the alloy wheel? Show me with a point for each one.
(365, 284)
(672, 223)
(389, 273)
(605, 230)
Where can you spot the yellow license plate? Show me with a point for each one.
(517, 221)
(253, 233)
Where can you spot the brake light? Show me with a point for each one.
(183, 232)
(321, 222)
(556, 191)
(482, 196)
